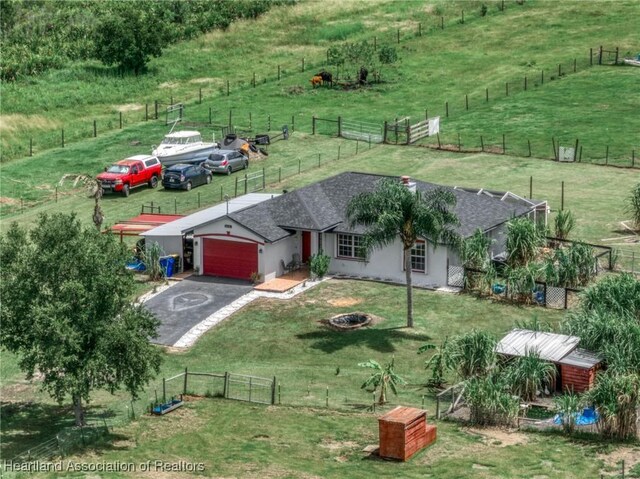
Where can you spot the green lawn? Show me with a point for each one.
(286, 340)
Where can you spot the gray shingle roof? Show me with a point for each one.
(322, 206)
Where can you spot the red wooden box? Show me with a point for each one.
(403, 432)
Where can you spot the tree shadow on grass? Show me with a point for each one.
(381, 340)
(27, 424)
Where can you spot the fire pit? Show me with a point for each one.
(350, 321)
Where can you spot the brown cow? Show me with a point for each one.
(316, 81)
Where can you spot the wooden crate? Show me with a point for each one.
(403, 432)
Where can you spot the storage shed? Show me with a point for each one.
(576, 367)
(403, 432)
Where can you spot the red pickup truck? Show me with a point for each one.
(135, 171)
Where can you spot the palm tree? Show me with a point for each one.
(385, 377)
(393, 211)
(94, 190)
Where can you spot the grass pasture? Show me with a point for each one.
(304, 438)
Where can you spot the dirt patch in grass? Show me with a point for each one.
(181, 420)
(169, 84)
(613, 459)
(128, 107)
(499, 437)
(339, 445)
(4, 200)
(344, 302)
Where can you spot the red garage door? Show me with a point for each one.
(230, 259)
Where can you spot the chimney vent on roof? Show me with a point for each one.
(406, 181)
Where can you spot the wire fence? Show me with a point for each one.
(415, 29)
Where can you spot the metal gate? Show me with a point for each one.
(250, 388)
(361, 130)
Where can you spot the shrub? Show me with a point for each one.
(490, 402)
(319, 265)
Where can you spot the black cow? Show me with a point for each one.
(362, 75)
(327, 78)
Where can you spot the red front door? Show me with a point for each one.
(306, 246)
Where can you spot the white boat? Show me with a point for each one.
(183, 147)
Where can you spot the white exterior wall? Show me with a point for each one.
(387, 264)
(223, 229)
(169, 244)
(269, 260)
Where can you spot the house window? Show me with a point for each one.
(419, 257)
(349, 246)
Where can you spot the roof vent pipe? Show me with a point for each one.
(406, 181)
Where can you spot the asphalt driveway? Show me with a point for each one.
(183, 305)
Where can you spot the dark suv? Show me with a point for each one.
(185, 176)
(226, 161)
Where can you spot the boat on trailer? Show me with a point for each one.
(183, 147)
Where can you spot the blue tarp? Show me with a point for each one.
(136, 265)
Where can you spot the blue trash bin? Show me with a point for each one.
(166, 263)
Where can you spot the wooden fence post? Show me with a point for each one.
(525, 83)
(504, 144)
(559, 70)
(553, 144)
(384, 133)
(209, 115)
(225, 390)
(293, 123)
(121, 120)
(606, 158)
(30, 146)
(375, 43)
(466, 101)
(273, 391)
(575, 65)
(164, 391)
(529, 144)
(462, 19)
(63, 138)
(227, 87)
(146, 112)
(633, 158)
(313, 125)
(575, 151)
(200, 96)
(530, 187)
(446, 106)
(398, 35)
(439, 145)
(600, 56)
(339, 146)
(340, 127)
(184, 387)
(264, 178)
(235, 193)
(280, 174)
(486, 94)
(155, 104)
(254, 79)
(562, 196)
(459, 143)
(617, 54)
(95, 128)
(302, 64)
(542, 77)
(278, 72)
(246, 184)
(441, 23)
(299, 165)
(318, 160)
(419, 29)
(481, 143)
(506, 86)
